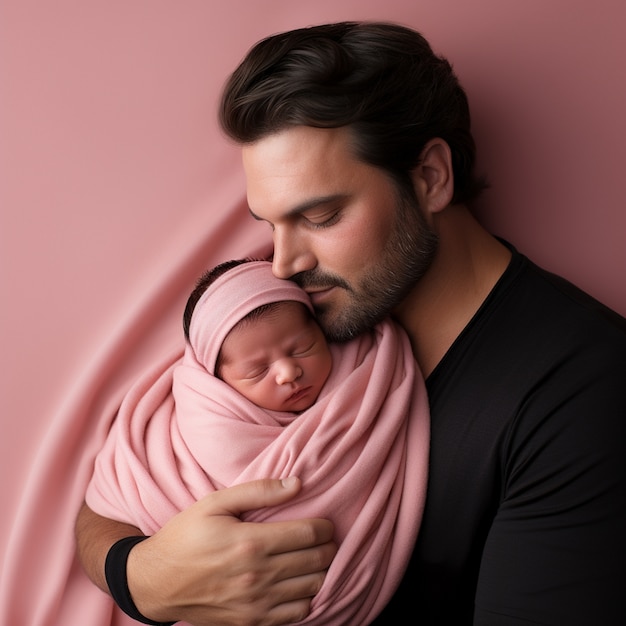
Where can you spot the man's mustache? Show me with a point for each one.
(319, 280)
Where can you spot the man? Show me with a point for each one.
(358, 153)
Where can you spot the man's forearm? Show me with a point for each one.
(94, 536)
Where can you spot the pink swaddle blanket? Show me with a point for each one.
(361, 450)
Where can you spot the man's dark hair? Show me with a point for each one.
(380, 80)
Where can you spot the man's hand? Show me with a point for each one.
(205, 566)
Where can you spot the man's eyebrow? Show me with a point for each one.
(307, 205)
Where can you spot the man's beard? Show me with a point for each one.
(406, 257)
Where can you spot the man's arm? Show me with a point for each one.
(205, 566)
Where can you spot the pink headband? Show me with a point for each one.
(229, 299)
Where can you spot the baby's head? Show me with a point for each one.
(258, 334)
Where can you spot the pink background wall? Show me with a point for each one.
(109, 152)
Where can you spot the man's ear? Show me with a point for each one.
(433, 178)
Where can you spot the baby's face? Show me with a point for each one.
(279, 361)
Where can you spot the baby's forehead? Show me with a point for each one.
(284, 309)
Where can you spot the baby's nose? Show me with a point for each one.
(287, 372)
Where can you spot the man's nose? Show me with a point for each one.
(287, 371)
(291, 255)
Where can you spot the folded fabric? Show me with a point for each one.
(361, 452)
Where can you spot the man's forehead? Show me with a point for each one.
(294, 167)
(286, 151)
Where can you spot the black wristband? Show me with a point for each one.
(115, 574)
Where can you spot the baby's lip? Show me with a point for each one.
(299, 393)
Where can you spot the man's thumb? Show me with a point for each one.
(256, 494)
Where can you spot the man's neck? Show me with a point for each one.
(468, 264)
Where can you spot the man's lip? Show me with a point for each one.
(318, 294)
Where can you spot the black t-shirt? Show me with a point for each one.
(525, 519)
